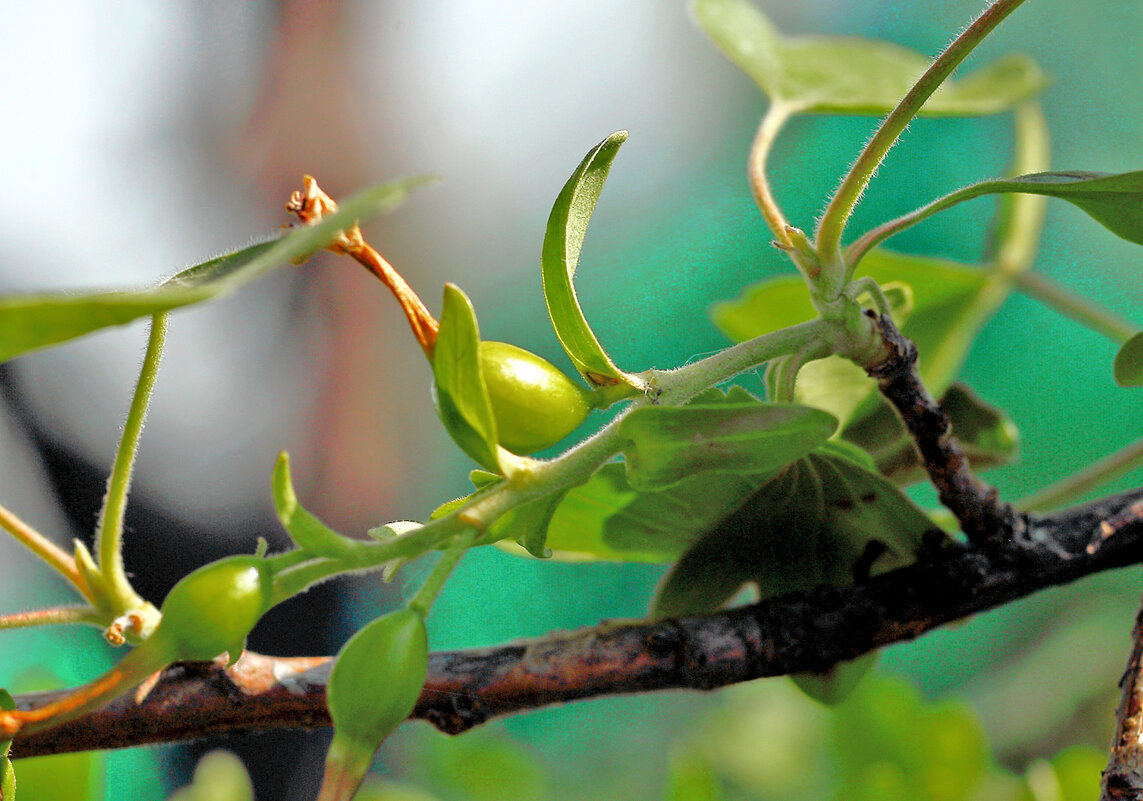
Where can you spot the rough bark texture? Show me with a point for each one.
(793, 633)
(983, 516)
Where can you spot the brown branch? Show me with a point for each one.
(794, 633)
(1123, 777)
(982, 515)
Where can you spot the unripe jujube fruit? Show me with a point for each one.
(213, 609)
(535, 405)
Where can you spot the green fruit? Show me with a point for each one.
(377, 678)
(535, 405)
(214, 608)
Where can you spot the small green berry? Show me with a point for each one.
(535, 405)
(214, 608)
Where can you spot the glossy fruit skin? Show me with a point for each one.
(213, 609)
(535, 405)
(377, 678)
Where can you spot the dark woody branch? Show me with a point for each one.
(793, 633)
(982, 515)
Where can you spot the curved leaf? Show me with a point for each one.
(1129, 362)
(607, 519)
(459, 390)
(567, 227)
(1114, 200)
(307, 532)
(825, 519)
(667, 444)
(32, 321)
(849, 75)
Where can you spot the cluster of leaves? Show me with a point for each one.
(803, 488)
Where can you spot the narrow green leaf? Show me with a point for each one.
(567, 227)
(667, 444)
(460, 392)
(1129, 362)
(32, 321)
(309, 533)
(1114, 200)
(848, 75)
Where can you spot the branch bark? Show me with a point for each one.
(982, 515)
(799, 632)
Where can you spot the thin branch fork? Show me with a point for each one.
(799, 632)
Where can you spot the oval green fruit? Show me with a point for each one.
(534, 403)
(214, 608)
(377, 678)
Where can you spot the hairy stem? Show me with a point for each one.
(59, 560)
(775, 117)
(109, 536)
(60, 615)
(841, 205)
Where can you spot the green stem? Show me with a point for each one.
(1083, 311)
(109, 536)
(58, 559)
(1078, 484)
(60, 615)
(841, 205)
(772, 123)
(1020, 217)
(422, 602)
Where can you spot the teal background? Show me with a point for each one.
(675, 232)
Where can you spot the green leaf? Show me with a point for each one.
(219, 776)
(951, 302)
(606, 519)
(32, 321)
(528, 525)
(1114, 200)
(691, 778)
(567, 227)
(987, 436)
(664, 445)
(848, 75)
(836, 684)
(1129, 362)
(825, 519)
(309, 533)
(931, 751)
(461, 395)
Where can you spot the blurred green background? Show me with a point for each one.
(147, 139)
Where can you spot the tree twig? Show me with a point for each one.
(983, 516)
(799, 632)
(1123, 777)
